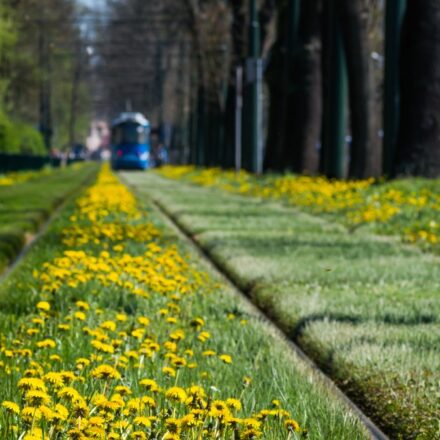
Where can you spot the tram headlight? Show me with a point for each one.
(144, 156)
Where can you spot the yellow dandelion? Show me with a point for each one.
(173, 425)
(108, 325)
(209, 353)
(29, 414)
(44, 306)
(169, 371)
(37, 398)
(188, 421)
(142, 320)
(69, 393)
(226, 358)
(233, 404)
(171, 436)
(32, 331)
(80, 316)
(11, 407)
(219, 409)
(123, 390)
(106, 372)
(121, 317)
(46, 343)
(247, 381)
(203, 336)
(176, 394)
(97, 421)
(82, 363)
(250, 433)
(178, 362)
(197, 323)
(61, 413)
(292, 425)
(101, 346)
(145, 422)
(31, 384)
(149, 384)
(82, 305)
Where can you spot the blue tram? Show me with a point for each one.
(130, 142)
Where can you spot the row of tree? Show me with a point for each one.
(44, 103)
(328, 106)
(324, 77)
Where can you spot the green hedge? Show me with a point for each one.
(23, 162)
(9, 141)
(19, 138)
(30, 140)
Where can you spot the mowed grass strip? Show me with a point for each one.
(273, 372)
(26, 205)
(408, 208)
(366, 308)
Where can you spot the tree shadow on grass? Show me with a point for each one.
(362, 248)
(299, 328)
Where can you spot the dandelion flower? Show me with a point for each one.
(176, 394)
(11, 407)
(106, 372)
(44, 306)
(226, 358)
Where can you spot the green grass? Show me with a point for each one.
(366, 308)
(408, 208)
(25, 206)
(256, 351)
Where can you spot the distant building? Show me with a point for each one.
(98, 141)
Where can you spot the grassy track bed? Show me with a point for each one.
(364, 307)
(113, 328)
(408, 208)
(28, 199)
(12, 178)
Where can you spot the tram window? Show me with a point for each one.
(130, 134)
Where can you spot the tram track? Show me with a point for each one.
(375, 433)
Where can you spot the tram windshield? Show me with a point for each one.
(130, 133)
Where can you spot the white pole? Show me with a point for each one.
(238, 116)
(260, 145)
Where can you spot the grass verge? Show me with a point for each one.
(409, 208)
(112, 329)
(26, 205)
(364, 307)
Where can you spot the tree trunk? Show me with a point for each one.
(238, 31)
(305, 106)
(265, 15)
(275, 145)
(364, 149)
(418, 144)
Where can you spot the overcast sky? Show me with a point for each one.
(93, 3)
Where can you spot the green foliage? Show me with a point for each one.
(9, 141)
(8, 37)
(22, 70)
(16, 138)
(30, 140)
